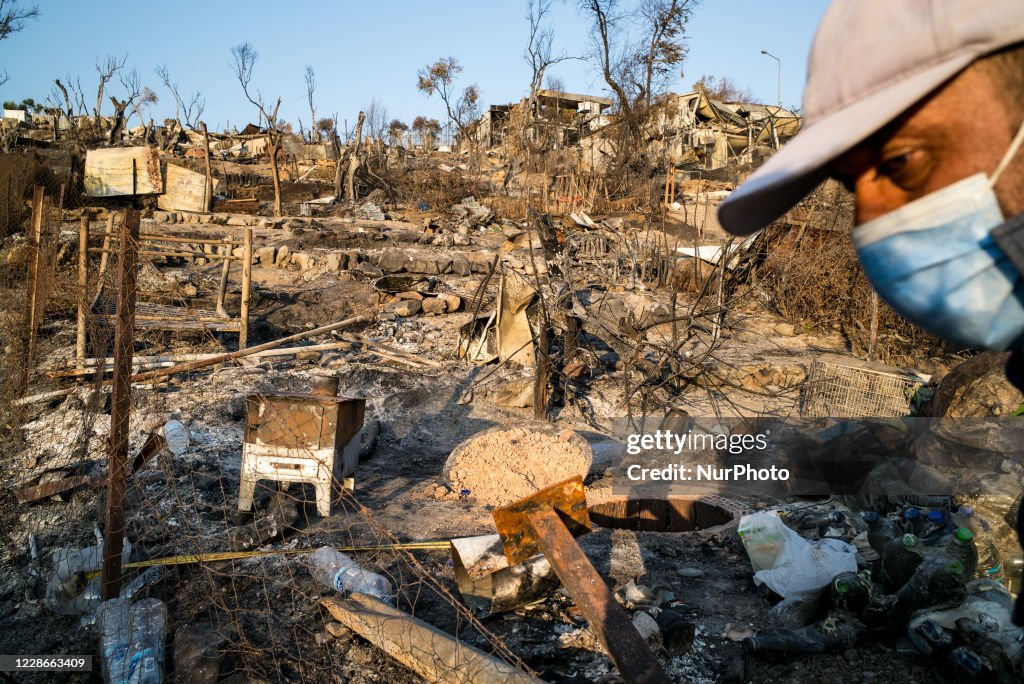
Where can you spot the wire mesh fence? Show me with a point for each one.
(843, 391)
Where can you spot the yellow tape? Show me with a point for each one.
(214, 556)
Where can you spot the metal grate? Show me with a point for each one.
(841, 391)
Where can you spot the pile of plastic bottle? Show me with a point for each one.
(937, 583)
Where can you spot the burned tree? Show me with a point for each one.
(106, 70)
(191, 108)
(12, 20)
(245, 58)
(396, 131)
(439, 78)
(636, 53)
(426, 130)
(314, 129)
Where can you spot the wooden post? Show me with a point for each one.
(243, 316)
(120, 412)
(33, 305)
(224, 272)
(208, 197)
(274, 140)
(83, 285)
(873, 334)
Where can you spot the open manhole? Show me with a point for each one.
(665, 514)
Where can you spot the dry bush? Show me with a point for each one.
(810, 275)
(437, 188)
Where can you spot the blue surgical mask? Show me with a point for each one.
(934, 261)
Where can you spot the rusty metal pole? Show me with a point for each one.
(120, 412)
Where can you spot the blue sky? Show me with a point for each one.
(362, 50)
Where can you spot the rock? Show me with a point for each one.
(387, 316)
(284, 256)
(265, 255)
(480, 264)
(690, 572)
(304, 260)
(409, 295)
(443, 265)
(786, 329)
(369, 269)
(434, 305)
(404, 307)
(161, 217)
(461, 266)
(461, 240)
(238, 221)
(393, 261)
(422, 264)
(335, 261)
(451, 302)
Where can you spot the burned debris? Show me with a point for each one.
(308, 406)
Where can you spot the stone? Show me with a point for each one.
(451, 302)
(393, 261)
(404, 307)
(786, 329)
(461, 266)
(461, 240)
(284, 256)
(690, 573)
(443, 264)
(161, 217)
(434, 305)
(369, 269)
(422, 264)
(335, 261)
(480, 264)
(265, 255)
(304, 260)
(410, 295)
(238, 220)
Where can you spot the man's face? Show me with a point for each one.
(961, 129)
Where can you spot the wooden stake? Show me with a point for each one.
(243, 316)
(120, 413)
(873, 334)
(208, 197)
(83, 285)
(32, 304)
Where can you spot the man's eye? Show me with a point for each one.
(894, 166)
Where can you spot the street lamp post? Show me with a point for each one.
(778, 82)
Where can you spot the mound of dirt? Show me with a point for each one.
(507, 463)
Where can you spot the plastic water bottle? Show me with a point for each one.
(114, 619)
(913, 521)
(899, 561)
(966, 660)
(937, 525)
(961, 547)
(937, 580)
(177, 437)
(851, 592)
(837, 632)
(881, 530)
(337, 571)
(929, 636)
(146, 653)
(794, 612)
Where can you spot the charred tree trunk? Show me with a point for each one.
(354, 161)
(118, 126)
(274, 140)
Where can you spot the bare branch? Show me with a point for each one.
(310, 77)
(13, 18)
(106, 70)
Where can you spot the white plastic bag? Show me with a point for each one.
(786, 562)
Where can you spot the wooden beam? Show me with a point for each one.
(426, 650)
